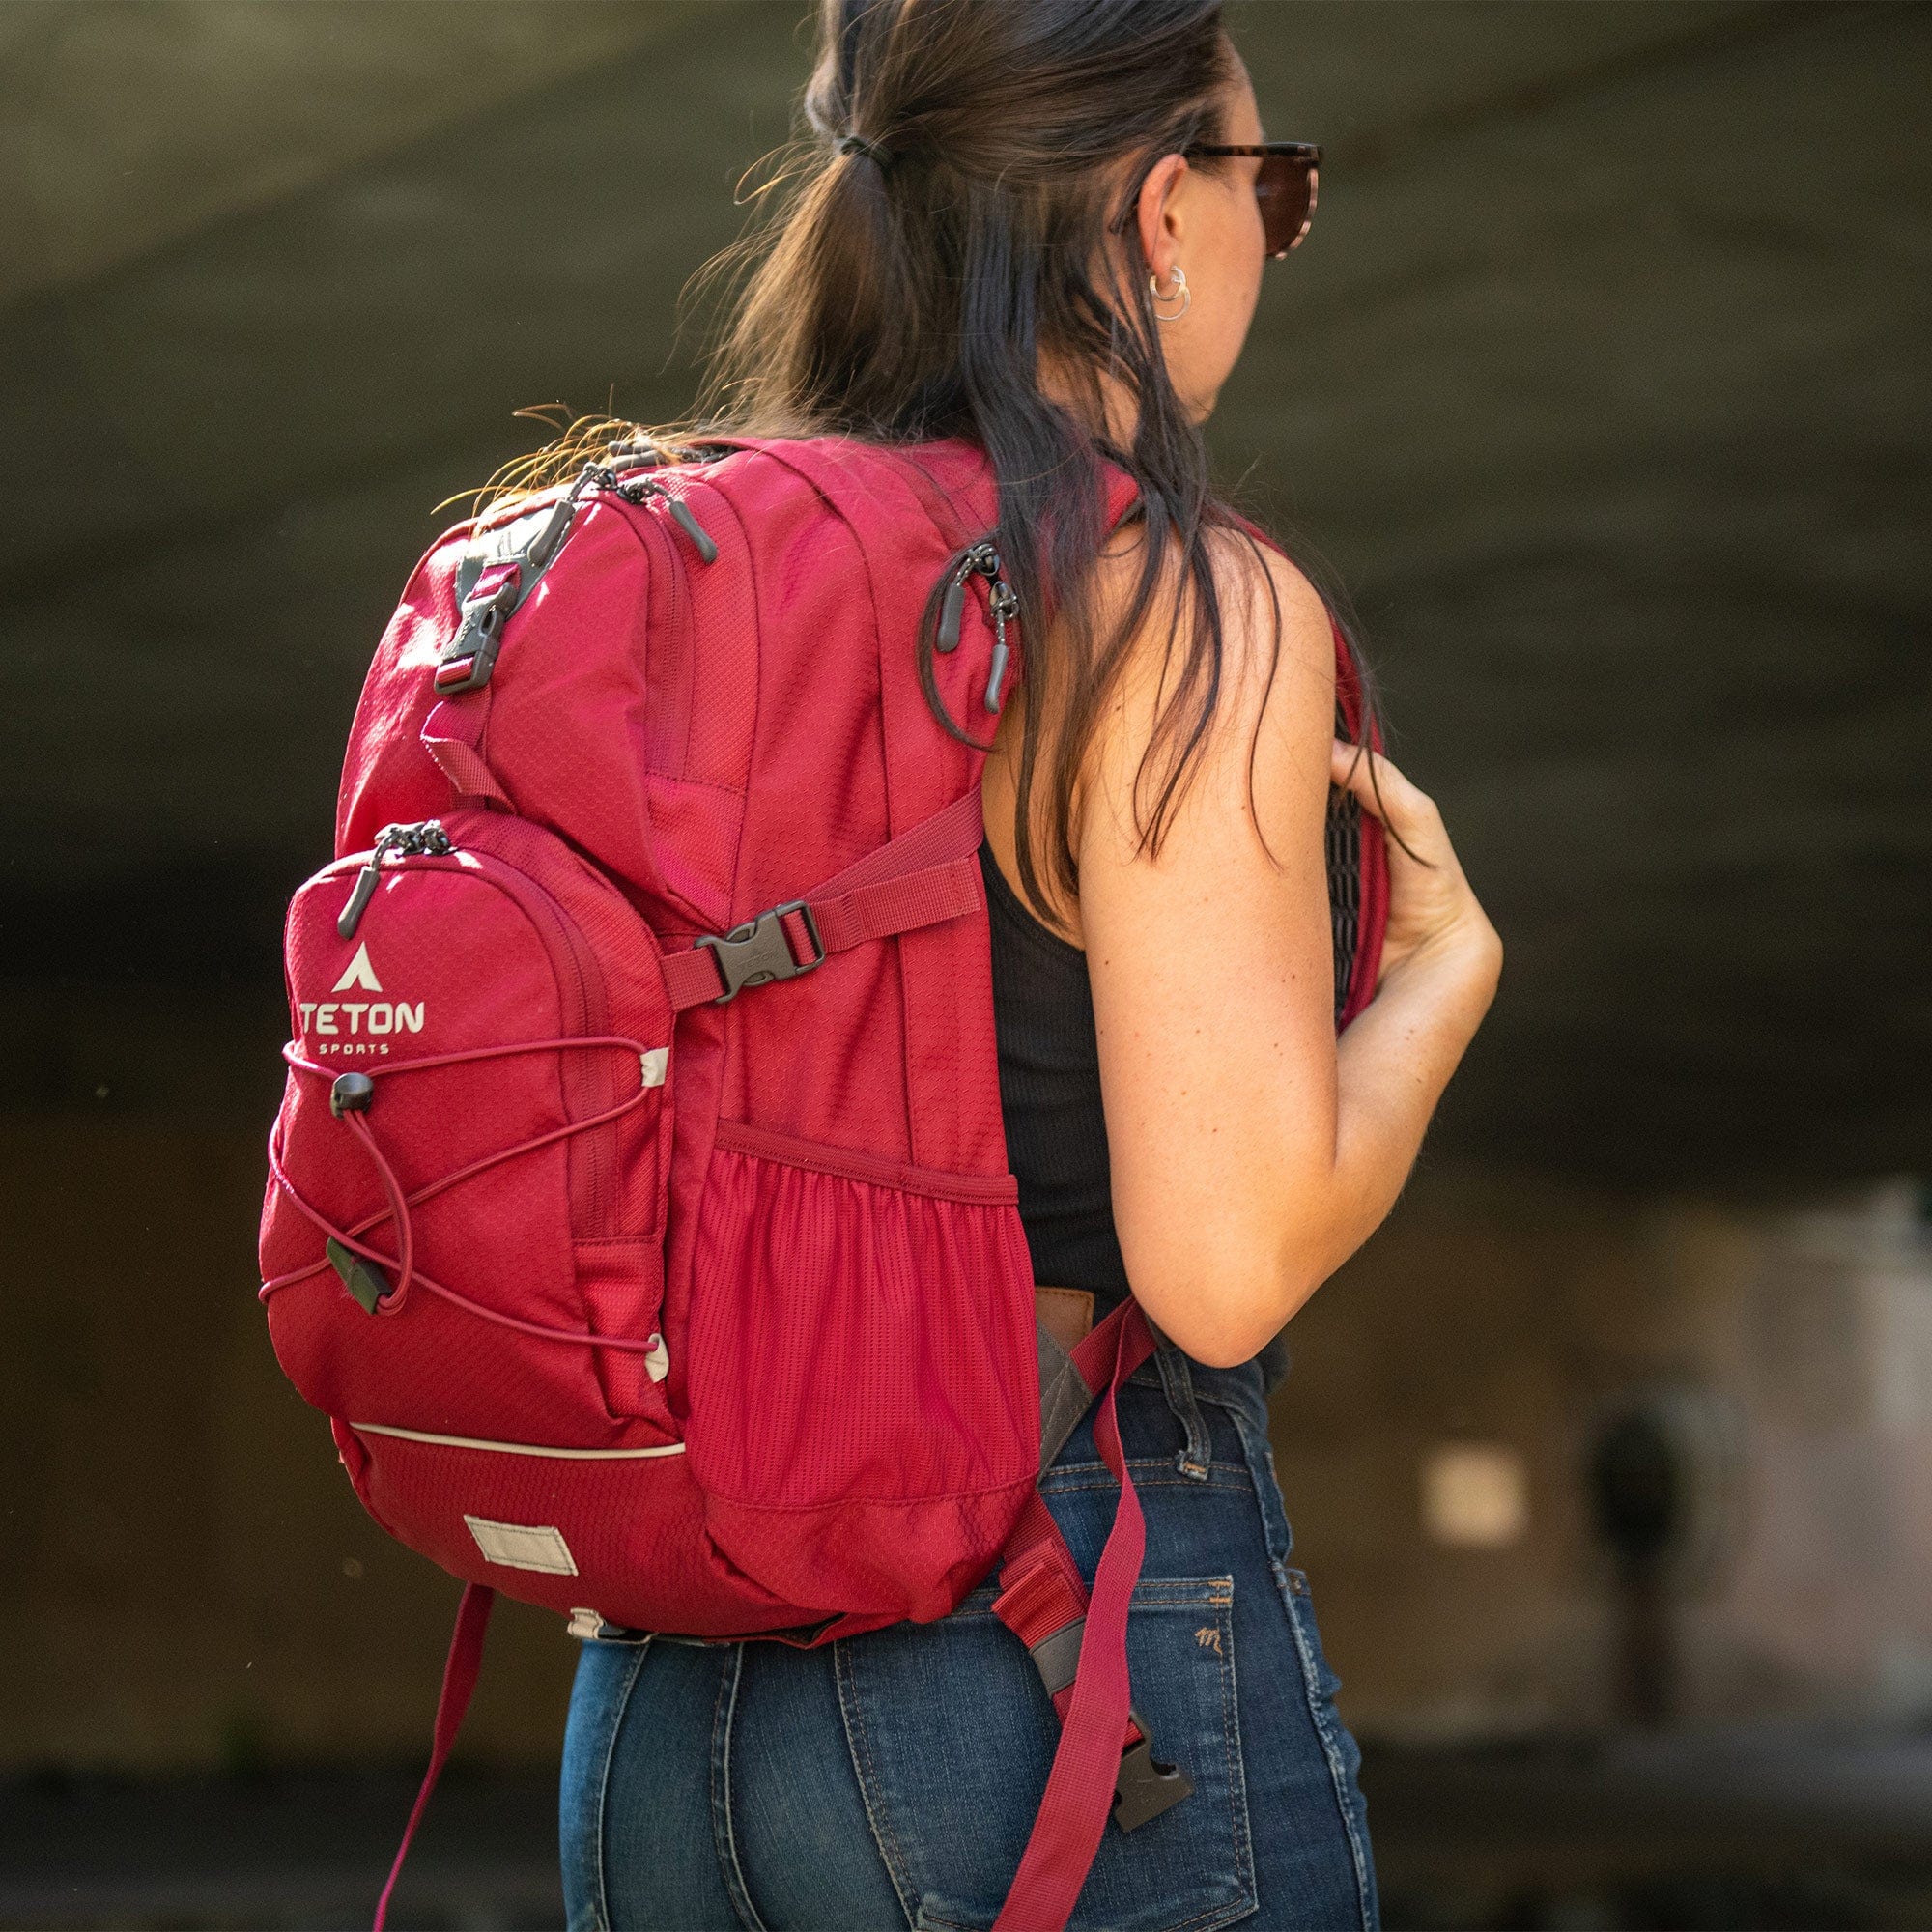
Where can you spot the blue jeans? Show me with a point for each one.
(891, 1779)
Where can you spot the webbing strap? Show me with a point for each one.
(452, 734)
(458, 1680)
(924, 876)
(1096, 1717)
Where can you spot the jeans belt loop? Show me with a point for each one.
(1196, 1456)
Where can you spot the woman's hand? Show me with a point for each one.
(1433, 916)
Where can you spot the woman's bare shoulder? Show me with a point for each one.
(1272, 685)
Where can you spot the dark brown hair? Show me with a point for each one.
(934, 230)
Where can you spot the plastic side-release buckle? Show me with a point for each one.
(760, 951)
(590, 1627)
(1145, 1786)
(470, 655)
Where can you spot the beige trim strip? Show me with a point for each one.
(514, 1448)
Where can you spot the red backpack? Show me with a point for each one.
(661, 1306)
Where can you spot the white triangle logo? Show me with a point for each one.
(360, 974)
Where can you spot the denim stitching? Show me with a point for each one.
(621, 1705)
(1260, 1457)
(1237, 1764)
(1263, 1467)
(859, 1747)
(1324, 1729)
(722, 1834)
(1161, 1476)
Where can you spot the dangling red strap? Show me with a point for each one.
(1087, 1765)
(458, 1679)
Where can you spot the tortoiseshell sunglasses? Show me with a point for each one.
(1284, 186)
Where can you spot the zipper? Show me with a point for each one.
(592, 1184)
(980, 559)
(515, 1448)
(667, 718)
(638, 488)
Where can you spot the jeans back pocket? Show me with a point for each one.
(953, 1736)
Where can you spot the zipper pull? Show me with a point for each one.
(412, 842)
(951, 611)
(1006, 606)
(982, 558)
(700, 537)
(637, 489)
(364, 890)
(548, 540)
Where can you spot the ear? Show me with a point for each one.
(1155, 214)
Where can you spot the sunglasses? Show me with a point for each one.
(1284, 186)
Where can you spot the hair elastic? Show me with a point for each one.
(857, 144)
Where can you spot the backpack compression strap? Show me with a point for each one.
(458, 1680)
(1079, 1646)
(922, 876)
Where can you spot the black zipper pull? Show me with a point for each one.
(412, 842)
(951, 612)
(548, 540)
(700, 537)
(635, 452)
(982, 558)
(639, 488)
(1006, 606)
(364, 890)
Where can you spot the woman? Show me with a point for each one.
(1014, 226)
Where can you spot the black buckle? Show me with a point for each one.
(1144, 1786)
(470, 655)
(759, 950)
(1147, 1787)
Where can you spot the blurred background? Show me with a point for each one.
(1603, 385)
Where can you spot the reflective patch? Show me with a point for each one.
(522, 1546)
(654, 1063)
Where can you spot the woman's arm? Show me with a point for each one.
(1251, 1152)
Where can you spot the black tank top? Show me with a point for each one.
(1050, 1079)
(1050, 1097)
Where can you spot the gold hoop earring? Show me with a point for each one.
(1180, 289)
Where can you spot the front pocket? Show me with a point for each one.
(953, 1736)
(516, 1092)
(617, 1527)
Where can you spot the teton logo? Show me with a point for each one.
(360, 974)
(366, 1022)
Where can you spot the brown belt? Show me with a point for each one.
(1066, 1314)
